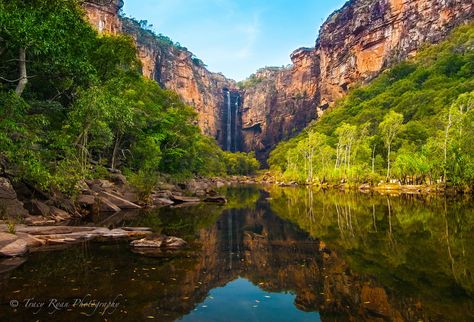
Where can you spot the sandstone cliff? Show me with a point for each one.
(103, 15)
(172, 66)
(355, 44)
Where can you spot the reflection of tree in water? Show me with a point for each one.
(417, 246)
(357, 277)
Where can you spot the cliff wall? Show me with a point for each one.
(354, 45)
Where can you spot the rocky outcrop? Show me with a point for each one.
(102, 15)
(28, 238)
(281, 103)
(172, 66)
(10, 206)
(176, 68)
(355, 44)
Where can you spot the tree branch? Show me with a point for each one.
(15, 80)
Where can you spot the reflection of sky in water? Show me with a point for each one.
(240, 300)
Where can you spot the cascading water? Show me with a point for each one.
(229, 121)
(236, 123)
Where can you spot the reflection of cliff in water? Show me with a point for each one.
(254, 244)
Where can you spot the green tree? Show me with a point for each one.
(389, 129)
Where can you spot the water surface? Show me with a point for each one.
(271, 254)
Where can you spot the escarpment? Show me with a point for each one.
(355, 44)
(174, 68)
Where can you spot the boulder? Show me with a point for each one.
(105, 205)
(119, 201)
(38, 208)
(86, 201)
(162, 241)
(106, 184)
(131, 196)
(162, 202)
(31, 242)
(118, 178)
(63, 204)
(166, 186)
(216, 199)
(59, 214)
(183, 199)
(11, 245)
(6, 238)
(163, 194)
(116, 233)
(39, 221)
(10, 206)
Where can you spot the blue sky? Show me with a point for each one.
(236, 37)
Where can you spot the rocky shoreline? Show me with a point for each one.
(23, 204)
(393, 188)
(26, 239)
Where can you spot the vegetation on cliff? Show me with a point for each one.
(73, 103)
(414, 123)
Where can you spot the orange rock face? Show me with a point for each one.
(355, 44)
(104, 17)
(173, 68)
(272, 109)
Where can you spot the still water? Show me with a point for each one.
(270, 254)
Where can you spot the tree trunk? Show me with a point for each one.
(114, 153)
(373, 159)
(23, 75)
(388, 162)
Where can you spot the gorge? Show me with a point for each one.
(354, 45)
(130, 187)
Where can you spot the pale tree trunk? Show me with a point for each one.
(23, 75)
(114, 153)
(373, 159)
(388, 162)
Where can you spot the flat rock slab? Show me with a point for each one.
(7, 238)
(159, 242)
(33, 237)
(162, 202)
(183, 199)
(50, 230)
(17, 247)
(119, 201)
(105, 205)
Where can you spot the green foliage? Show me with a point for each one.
(87, 103)
(416, 115)
(250, 82)
(241, 163)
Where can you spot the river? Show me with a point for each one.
(270, 254)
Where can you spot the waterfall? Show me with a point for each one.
(229, 121)
(235, 122)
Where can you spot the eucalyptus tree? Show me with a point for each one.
(389, 128)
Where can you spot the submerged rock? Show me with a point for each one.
(9, 264)
(167, 242)
(216, 199)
